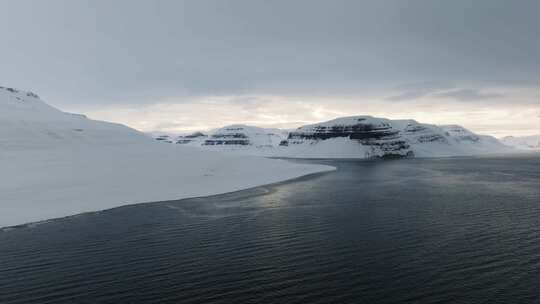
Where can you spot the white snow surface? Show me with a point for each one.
(55, 164)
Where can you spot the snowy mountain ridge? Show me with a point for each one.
(352, 137)
(17, 104)
(27, 121)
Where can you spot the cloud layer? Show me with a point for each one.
(122, 53)
(505, 117)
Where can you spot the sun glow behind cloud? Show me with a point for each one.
(513, 113)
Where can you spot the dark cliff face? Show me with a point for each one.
(191, 138)
(238, 142)
(384, 140)
(358, 131)
(240, 139)
(196, 135)
(164, 138)
(12, 90)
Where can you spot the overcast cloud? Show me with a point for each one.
(134, 54)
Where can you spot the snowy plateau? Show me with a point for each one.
(55, 164)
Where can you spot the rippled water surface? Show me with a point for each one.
(420, 231)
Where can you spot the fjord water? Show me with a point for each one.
(460, 230)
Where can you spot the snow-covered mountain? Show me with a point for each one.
(531, 142)
(54, 164)
(233, 138)
(371, 137)
(27, 121)
(348, 137)
(242, 135)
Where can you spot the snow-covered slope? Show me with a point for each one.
(449, 140)
(54, 164)
(369, 137)
(531, 142)
(28, 122)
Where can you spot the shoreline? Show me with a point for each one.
(211, 196)
(69, 194)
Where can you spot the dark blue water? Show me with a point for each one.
(418, 231)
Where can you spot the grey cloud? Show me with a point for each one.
(137, 51)
(408, 95)
(468, 95)
(416, 90)
(171, 125)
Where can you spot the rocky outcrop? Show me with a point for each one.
(164, 138)
(193, 138)
(377, 136)
(243, 136)
(12, 90)
(233, 136)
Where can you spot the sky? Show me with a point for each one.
(179, 66)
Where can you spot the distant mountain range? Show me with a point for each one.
(28, 121)
(347, 137)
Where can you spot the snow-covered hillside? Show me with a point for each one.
(28, 122)
(54, 164)
(368, 137)
(531, 142)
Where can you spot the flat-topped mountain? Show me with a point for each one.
(349, 137)
(371, 137)
(358, 136)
